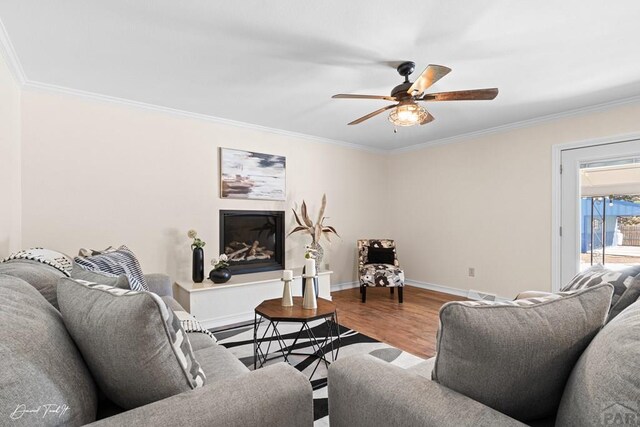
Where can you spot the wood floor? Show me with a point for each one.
(410, 326)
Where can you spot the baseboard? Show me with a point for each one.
(226, 321)
(417, 284)
(437, 288)
(343, 286)
(446, 289)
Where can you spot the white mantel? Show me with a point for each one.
(216, 305)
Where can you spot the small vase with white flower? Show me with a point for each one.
(220, 272)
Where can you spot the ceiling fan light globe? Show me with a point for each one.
(407, 115)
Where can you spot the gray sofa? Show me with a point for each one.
(603, 388)
(40, 365)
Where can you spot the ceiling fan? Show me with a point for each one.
(407, 111)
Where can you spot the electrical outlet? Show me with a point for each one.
(472, 272)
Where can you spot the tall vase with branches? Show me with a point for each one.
(316, 230)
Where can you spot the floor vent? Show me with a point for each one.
(483, 296)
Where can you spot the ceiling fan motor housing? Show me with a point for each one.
(400, 91)
(406, 68)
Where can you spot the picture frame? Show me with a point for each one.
(252, 176)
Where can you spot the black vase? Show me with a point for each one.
(197, 271)
(221, 275)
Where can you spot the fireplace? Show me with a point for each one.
(252, 240)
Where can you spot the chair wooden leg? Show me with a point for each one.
(364, 294)
(361, 288)
(400, 289)
(391, 289)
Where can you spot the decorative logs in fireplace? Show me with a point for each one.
(240, 251)
(252, 240)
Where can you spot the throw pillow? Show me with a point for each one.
(623, 281)
(41, 276)
(132, 343)
(381, 255)
(191, 325)
(590, 276)
(55, 259)
(604, 386)
(99, 277)
(628, 297)
(92, 252)
(44, 277)
(40, 367)
(121, 261)
(516, 356)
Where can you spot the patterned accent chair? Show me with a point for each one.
(379, 275)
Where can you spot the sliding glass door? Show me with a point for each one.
(600, 207)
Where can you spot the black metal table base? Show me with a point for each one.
(321, 346)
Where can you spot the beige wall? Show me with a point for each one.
(9, 162)
(486, 203)
(98, 174)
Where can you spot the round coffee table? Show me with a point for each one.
(274, 313)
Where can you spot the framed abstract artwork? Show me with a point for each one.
(249, 175)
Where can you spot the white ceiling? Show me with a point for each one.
(277, 63)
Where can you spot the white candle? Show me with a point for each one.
(287, 275)
(310, 267)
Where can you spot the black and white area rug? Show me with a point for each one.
(240, 341)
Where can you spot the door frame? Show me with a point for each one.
(556, 195)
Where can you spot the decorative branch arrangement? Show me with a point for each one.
(317, 230)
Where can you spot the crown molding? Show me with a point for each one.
(518, 125)
(9, 54)
(28, 84)
(188, 114)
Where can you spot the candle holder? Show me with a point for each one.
(287, 298)
(309, 297)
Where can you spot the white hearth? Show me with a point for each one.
(217, 305)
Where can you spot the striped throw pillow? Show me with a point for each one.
(524, 302)
(620, 279)
(120, 261)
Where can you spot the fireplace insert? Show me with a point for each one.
(252, 240)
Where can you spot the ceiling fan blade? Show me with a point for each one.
(429, 76)
(350, 96)
(375, 113)
(462, 95)
(427, 119)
